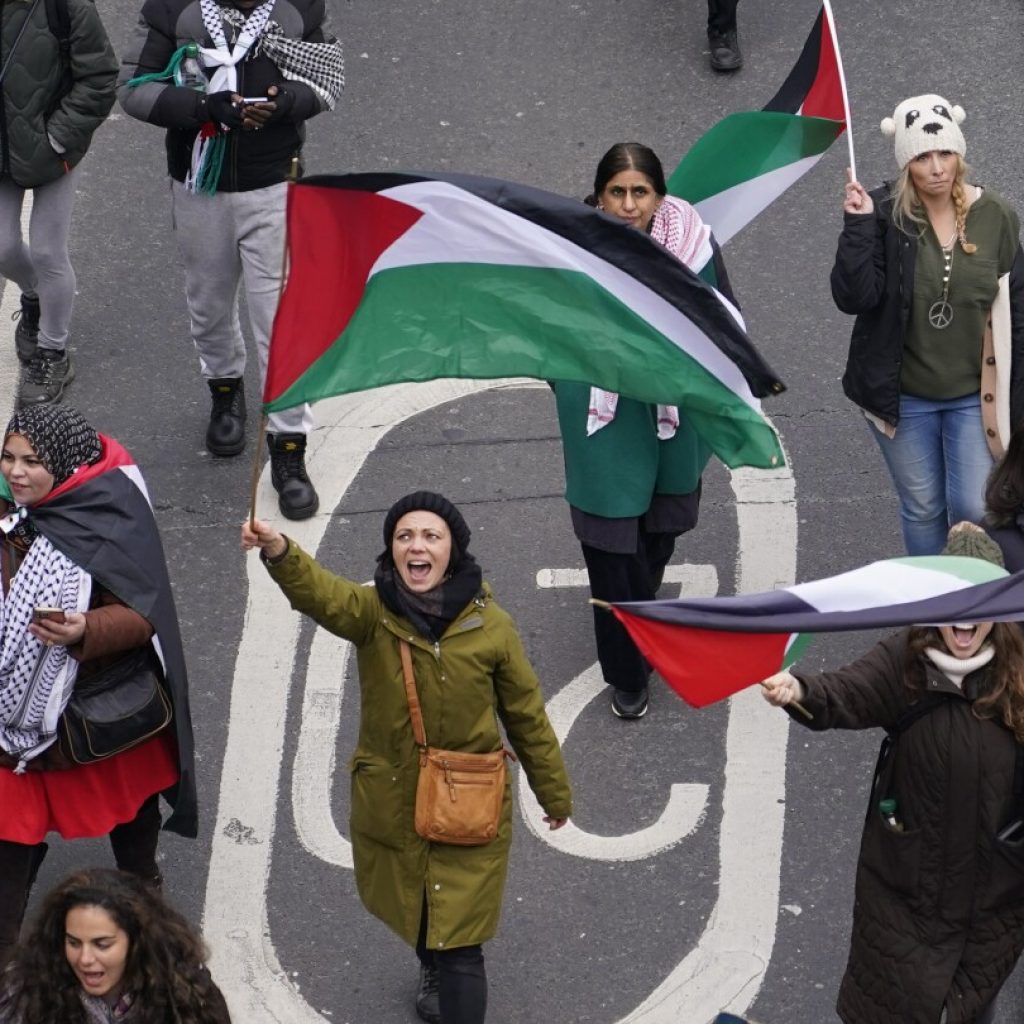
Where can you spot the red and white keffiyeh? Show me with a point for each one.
(678, 227)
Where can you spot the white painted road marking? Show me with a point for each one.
(693, 580)
(726, 968)
(10, 368)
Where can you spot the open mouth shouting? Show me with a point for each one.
(965, 639)
(421, 548)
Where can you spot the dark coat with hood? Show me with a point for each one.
(873, 279)
(939, 911)
(36, 111)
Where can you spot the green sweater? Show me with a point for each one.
(945, 364)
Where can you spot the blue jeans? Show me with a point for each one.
(939, 461)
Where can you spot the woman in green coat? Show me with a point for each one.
(470, 670)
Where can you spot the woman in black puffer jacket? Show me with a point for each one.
(58, 87)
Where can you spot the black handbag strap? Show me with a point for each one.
(14, 47)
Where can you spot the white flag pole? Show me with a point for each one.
(842, 84)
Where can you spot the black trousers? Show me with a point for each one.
(721, 16)
(134, 844)
(461, 978)
(616, 577)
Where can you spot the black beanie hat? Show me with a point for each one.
(428, 501)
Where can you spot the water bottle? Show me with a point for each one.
(887, 808)
(189, 72)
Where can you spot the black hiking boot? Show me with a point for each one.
(26, 334)
(296, 496)
(225, 435)
(45, 377)
(428, 1000)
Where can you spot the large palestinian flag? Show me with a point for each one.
(708, 649)
(100, 518)
(400, 277)
(747, 160)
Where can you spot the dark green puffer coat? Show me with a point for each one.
(34, 111)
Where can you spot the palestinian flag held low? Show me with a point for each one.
(101, 518)
(747, 160)
(412, 277)
(708, 649)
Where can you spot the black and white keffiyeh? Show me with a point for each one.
(321, 66)
(35, 680)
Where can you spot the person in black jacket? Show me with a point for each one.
(1004, 503)
(50, 109)
(233, 82)
(933, 269)
(938, 915)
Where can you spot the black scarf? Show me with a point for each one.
(433, 612)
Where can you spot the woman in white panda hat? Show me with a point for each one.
(932, 268)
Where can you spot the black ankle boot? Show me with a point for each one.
(26, 334)
(296, 496)
(226, 433)
(428, 1000)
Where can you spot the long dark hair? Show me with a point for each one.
(1004, 698)
(1004, 493)
(628, 156)
(165, 968)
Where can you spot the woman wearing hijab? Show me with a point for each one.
(78, 537)
(470, 670)
(632, 469)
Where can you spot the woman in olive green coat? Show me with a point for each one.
(470, 671)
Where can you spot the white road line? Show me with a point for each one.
(685, 807)
(694, 580)
(10, 303)
(727, 968)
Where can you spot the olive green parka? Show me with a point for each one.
(476, 674)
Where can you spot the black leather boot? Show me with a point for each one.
(296, 496)
(428, 1000)
(226, 433)
(26, 334)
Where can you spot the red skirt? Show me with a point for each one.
(89, 799)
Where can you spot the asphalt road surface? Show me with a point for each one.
(710, 863)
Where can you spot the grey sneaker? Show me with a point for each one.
(26, 334)
(45, 377)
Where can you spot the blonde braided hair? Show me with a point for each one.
(960, 203)
(907, 208)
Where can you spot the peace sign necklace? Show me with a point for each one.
(940, 314)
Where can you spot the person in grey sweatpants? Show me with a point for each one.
(235, 124)
(54, 97)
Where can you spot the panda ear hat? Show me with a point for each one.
(925, 123)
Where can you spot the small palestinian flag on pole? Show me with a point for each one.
(708, 649)
(747, 160)
(412, 277)
(101, 518)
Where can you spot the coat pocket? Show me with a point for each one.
(1007, 885)
(377, 804)
(892, 856)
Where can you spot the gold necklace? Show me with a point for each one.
(940, 313)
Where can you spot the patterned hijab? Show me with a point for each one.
(59, 435)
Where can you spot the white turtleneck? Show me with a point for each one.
(956, 669)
